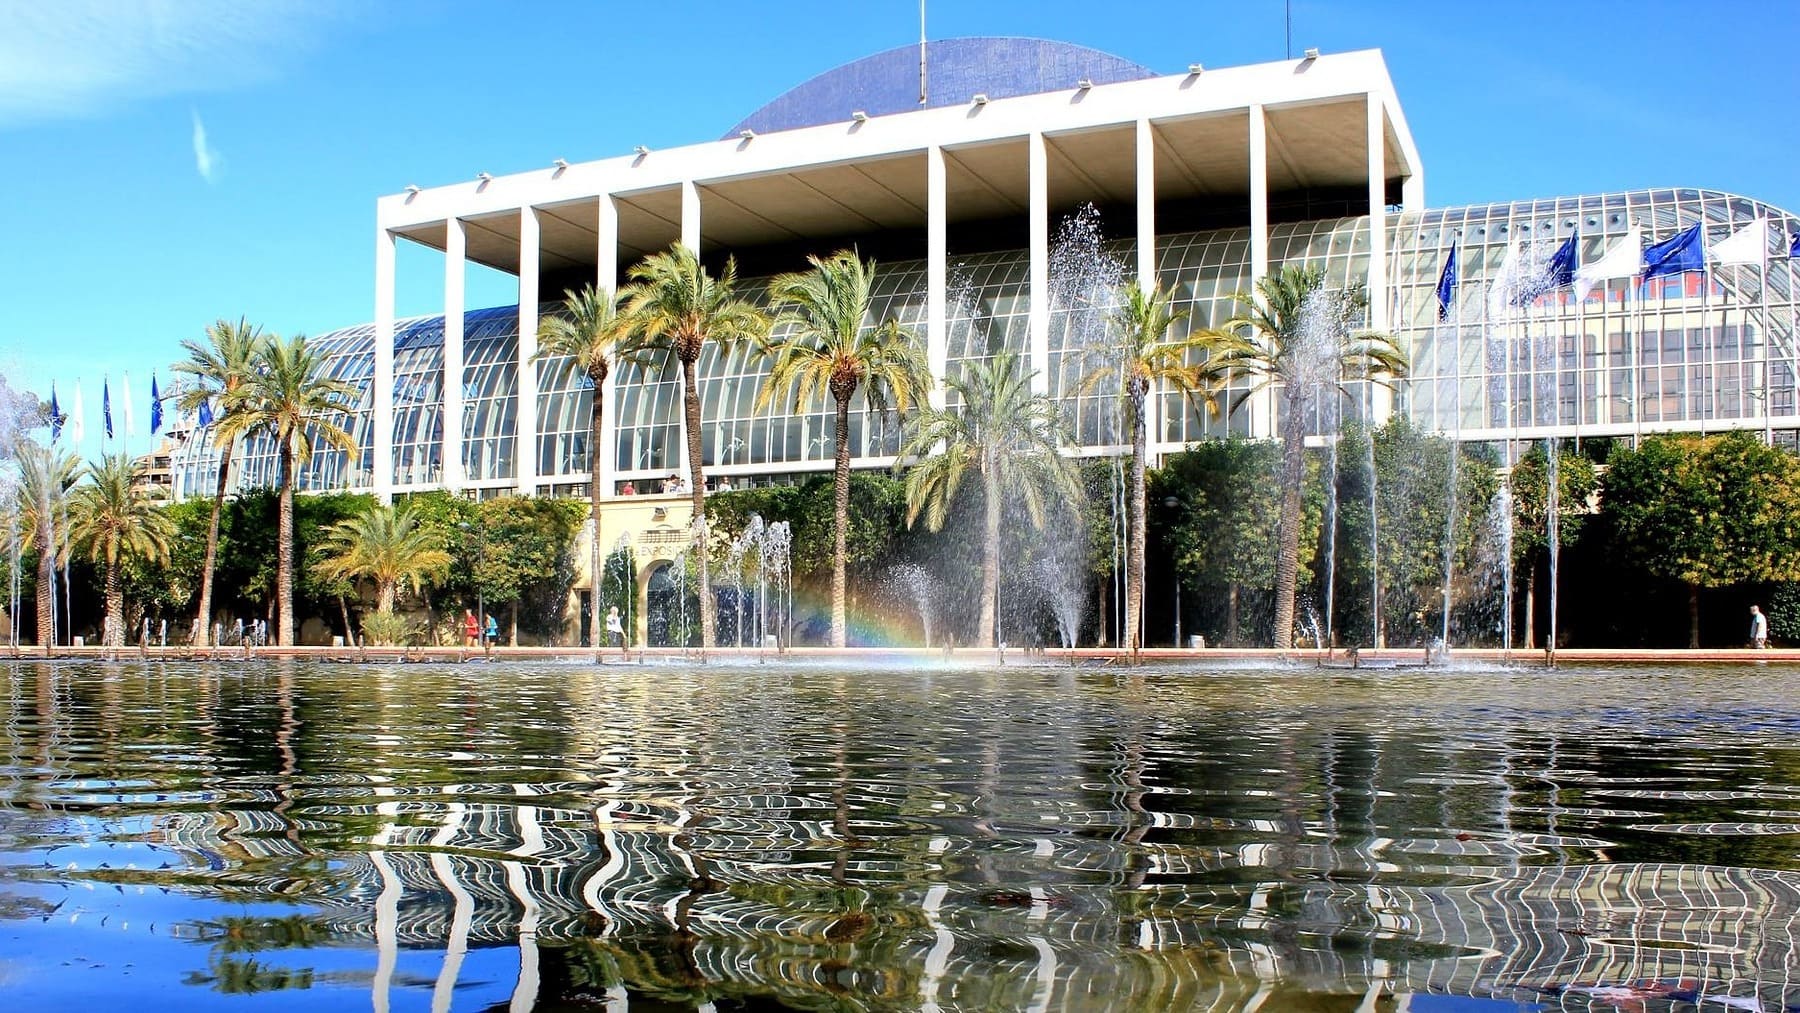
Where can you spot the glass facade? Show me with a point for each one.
(1690, 352)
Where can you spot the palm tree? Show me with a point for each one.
(112, 517)
(827, 349)
(1294, 334)
(386, 545)
(677, 306)
(1004, 433)
(592, 335)
(221, 364)
(1147, 357)
(290, 399)
(45, 475)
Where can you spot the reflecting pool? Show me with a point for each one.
(489, 836)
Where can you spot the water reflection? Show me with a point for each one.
(487, 836)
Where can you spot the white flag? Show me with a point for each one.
(1748, 245)
(77, 423)
(1506, 283)
(1624, 259)
(125, 392)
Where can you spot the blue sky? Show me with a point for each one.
(174, 162)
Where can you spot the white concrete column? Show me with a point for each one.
(1412, 190)
(381, 423)
(1038, 342)
(1146, 265)
(937, 272)
(1261, 408)
(525, 443)
(690, 238)
(451, 453)
(690, 215)
(1378, 283)
(607, 277)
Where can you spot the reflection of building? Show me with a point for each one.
(1203, 181)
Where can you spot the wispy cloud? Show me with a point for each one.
(84, 57)
(206, 159)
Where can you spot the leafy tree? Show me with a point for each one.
(386, 545)
(1709, 512)
(1530, 479)
(828, 344)
(1006, 435)
(291, 399)
(1294, 334)
(1222, 531)
(217, 368)
(676, 306)
(525, 543)
(1147, 357)
(112, 517)
(45, 476)
(590, 334)
(167, 587)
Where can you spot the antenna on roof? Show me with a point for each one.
(921, 53)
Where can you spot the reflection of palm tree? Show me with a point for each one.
(218, 367)
(1293, 334)
(828, 349)
(1006, 434)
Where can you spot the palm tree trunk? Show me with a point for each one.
(202, 632)
(690, 394)
(1134, 559)
(1287, 561)
(1231, 613)
(1693, 615)
(840, 522)
(284, 548)
(46, 579)
(596, 555)
(114, 634)
(990, 562)
(384, 597)
(349, 632)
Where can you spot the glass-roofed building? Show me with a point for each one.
(992, 188)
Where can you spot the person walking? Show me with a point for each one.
(493, 631)
(471, 628)
(1759, 628)
(615, 627)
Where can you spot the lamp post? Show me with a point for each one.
(1171, 502)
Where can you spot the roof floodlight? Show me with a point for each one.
(641, 150)
(748, 135)
(980, 98)
(1195, 69)
(1312, 53)
(1084, 84)
(413, 188)
(860, 116)
(560, 163)
(485, 177)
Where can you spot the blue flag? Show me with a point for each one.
(1682, 252)
(56, 415)
(155, 407)
(206, 413)
(1794, 250)
(106, 407)
(1561, 272)
(1446, 290)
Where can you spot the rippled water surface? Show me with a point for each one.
(569, 837)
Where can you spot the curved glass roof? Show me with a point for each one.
(955, 70)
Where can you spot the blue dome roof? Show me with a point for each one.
(956, 69)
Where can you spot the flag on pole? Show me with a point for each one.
(1748, 245)
(1794, 250)
(155, 407)
(1446, 289)
(205, 415)
(77, 423)
(1561, 272)
(106, 407)
(125, 405)
(56, 415)
(1624, 259)
(1682, 252)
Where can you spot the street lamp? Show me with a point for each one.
(1171, 502)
